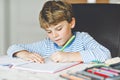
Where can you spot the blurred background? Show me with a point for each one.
(19, 20)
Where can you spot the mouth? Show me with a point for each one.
(57, 40)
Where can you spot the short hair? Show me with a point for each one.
(54, 12)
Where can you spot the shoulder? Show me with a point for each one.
(45, 41)
(81, 34)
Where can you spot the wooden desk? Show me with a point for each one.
(14, 74)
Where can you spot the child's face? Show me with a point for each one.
(60, 33)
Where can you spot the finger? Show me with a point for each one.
(38, 59)
(35, 58)
(54, 59)
(28, 58)
(38, 55)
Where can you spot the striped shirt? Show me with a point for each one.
(83, 43)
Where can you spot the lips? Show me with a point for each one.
(57, 40)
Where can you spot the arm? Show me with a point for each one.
(86, 50)
(93, 50)
(34, 57)
(31, 52)
(66, 57)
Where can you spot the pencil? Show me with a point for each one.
(68, 42)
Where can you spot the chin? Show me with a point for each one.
(60, 44)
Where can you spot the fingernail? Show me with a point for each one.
(42, 61)
(57, 61)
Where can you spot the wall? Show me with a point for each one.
(92, 1)
(2, 38)
(24, 27)
(115, 1)
(19, 22)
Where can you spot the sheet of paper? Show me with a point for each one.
(48, 66)
(113, 60)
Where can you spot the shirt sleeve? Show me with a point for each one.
(37, 47)
(93, 50)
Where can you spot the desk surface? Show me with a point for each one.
(14, 74)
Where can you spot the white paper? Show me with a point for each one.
(49, 66)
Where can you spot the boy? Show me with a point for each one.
(57, 20)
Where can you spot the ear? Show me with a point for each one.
(72, 23)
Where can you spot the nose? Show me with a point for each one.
(55, 34)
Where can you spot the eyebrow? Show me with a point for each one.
(59, 26)
(55, 27)
(47, 30)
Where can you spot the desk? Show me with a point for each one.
(15, 74)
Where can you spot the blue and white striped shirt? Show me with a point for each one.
(83, 43)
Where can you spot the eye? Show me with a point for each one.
(49, 32)
(59, 28)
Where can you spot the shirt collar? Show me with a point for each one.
(59, 47)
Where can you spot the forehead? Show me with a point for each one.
(56, 25)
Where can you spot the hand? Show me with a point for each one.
(60, 56)
(66, 57)
(34, 57)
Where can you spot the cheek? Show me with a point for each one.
(67, 31)
(65, 35)
(49, 35)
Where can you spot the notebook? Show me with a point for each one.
(112, 60)
(49, 66)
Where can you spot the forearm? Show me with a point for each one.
(75, 57)
(95, 54)
(14, 49)
(66, 57)
(20, 53)
(34, 57)
(93, 50)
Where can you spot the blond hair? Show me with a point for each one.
(54, 12)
